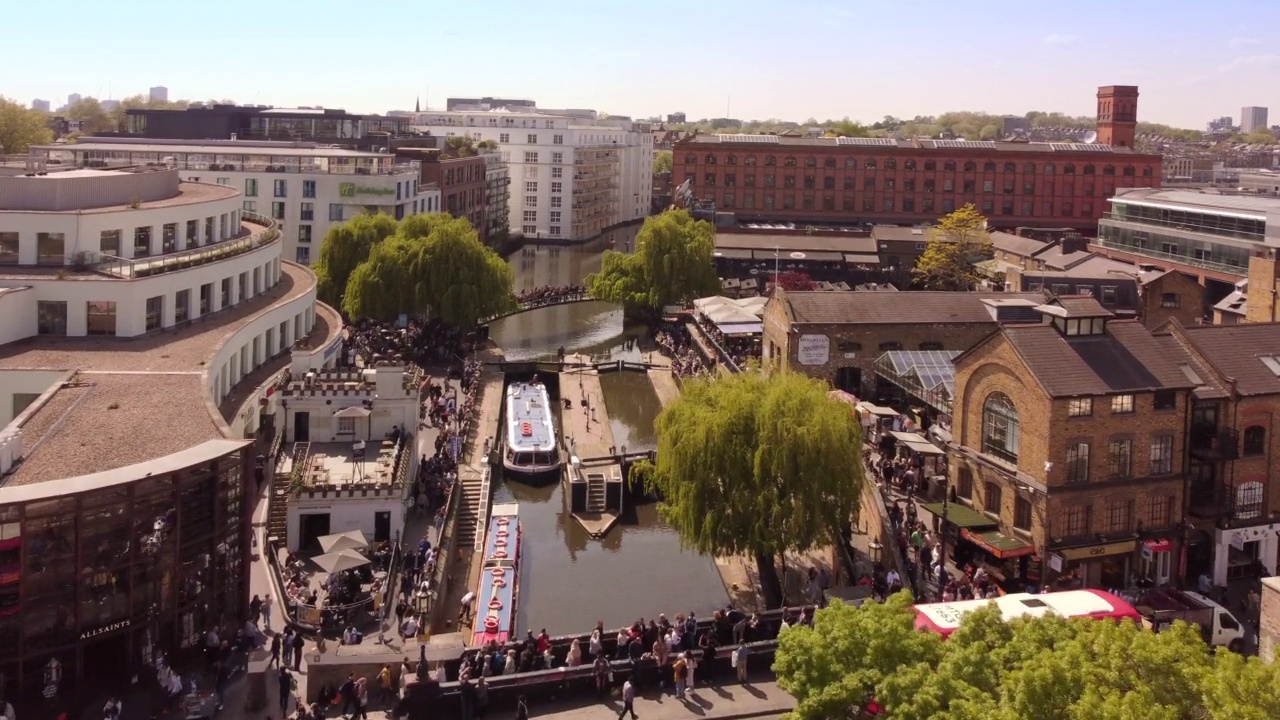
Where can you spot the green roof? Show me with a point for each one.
(960, 515)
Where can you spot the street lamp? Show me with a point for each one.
(875, 549)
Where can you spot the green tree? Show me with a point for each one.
(757, 463)
(848, 128)
(92, 118)
(434, 266)
(956, 244)
(21, 127)
(344, 247)
(663, 161)
(672, 263)
(458, 146)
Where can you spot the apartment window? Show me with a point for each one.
(970, 166)
(889, 184)
(100, 316)
(1022, 513)
(277, 210)
(250, 187)
(206, 298)
(969, 186)
(768, 201)
(1048, 169)
(142, 241)
(926, 205)
(559, 172)
(308, 188)
(930, 345)
(529, 229)
(304, 233)
(1170, 300)
(557, 157)
(280, 188)
(532, 139)
(788, 202)
(557, 139)
(887, 205)
(1078, 462)
(303, 256)
(1255, 440)
(504, 137)
(531, 216)
(244, 286)
(249, 206)
(1001, 430)
(987, 207)
(208, 230)
(1122, 404)
(1248, 500)
(108, 244)
(224, 181)
(769, 180)
(869, 183)
(529, 172)
(930, 165)
(169, 238)
(181, 306)
(869, 164)
(307, 212)
(1079, 407)
(9, 244)
(750, 180)
(554, 230)
(1028, 208)
(531, 186)
(771, 161)
(1119, 516)
(1120, 458)
(991, 497)
(335, 212)
(226, 292)
(948, 185)
(828, 182)
(1006, 207)
(929, 185)
(155, 312)
(988, 186)
(728, 199)
(1159, 511)
(948, 205)
(807, 202)
(1162, 454)
(555, 216)
(908, 205)
(531, 157)
(1165, 400)
(51, 317)
(51, 248)
(555, 201)
(1077, 521)
(531, 200)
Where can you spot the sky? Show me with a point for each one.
(797, 59)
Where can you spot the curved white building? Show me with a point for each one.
(145, 325)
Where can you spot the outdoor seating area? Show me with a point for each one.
(340, 590)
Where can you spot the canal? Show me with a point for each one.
(567, 580)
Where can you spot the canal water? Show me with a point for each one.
(569, 581)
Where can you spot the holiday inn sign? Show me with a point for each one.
(352, 190)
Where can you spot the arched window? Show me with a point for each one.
(1029, 168)
(1088, 170)
(909, 165)
(731, 160)
(1129, 171)
(1001, 432)
(970, 166)
(1248, 500)
(750, 161)
(1109, 170)
(829, 162)
(890, 164)
(949, 166)
(811, 161)
(789, 161)
(989, 166)
(1068, 169)
(1010, 167)
(1049, 169)
(1255, 440)
(770, 161)
(711, 159)
(930, 165)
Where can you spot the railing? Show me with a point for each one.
(440, 584)
(540, 302)
(131, 269)
(178, 161)
(1185, 227)
(1172, 257)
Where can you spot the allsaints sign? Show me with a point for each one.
(109, 628)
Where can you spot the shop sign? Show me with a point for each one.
(1055, 562)
(352, 190)
(105, 629)
(813, 350)
(1097, 551)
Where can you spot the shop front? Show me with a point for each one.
(1155, 562)
(1011, 560)
(1094, 566)
(1245, 552)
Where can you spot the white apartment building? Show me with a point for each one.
(572, 175)
(1253, 118)
(304, 187)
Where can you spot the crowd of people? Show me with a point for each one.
(423, 342)
(675, 341)
(550, 292)
(740, 349)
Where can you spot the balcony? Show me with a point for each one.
(132, 269)
(207, 162)
(1214, 444)
(1187, 260)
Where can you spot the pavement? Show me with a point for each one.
(761, 697)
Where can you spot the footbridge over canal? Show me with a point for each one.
(535, 303)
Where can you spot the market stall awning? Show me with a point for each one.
(960, 515)
(862, 258)
(734, 329)
(876, 409)
(999, 544)
(925, 448)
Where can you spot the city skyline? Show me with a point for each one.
(706, 60)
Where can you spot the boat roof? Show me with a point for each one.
(529, 418)
(504, 534)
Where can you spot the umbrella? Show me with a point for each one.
(341, 560)
(350, 540)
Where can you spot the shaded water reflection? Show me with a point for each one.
(569, 581)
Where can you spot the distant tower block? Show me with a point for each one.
(1117, 115)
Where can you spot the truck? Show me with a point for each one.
(1161, 607)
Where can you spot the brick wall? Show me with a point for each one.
(1183, 290)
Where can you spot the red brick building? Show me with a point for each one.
(827, 180)
(461, 181)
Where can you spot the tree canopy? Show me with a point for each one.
(21, 127)
(1049, 667)
(956, 244)
(93, 118)
(757, 463)
(344, 247)
(671, 264)
(433, 266)
(662, 162)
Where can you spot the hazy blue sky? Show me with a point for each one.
(794, 59)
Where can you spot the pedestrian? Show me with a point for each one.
(482, 698)
(464, 612)
(709, 646)
(298, 644)
(600, 669)
(266, 611)
(347, 693)
(362, 698)
(285, 681)
(286, 648)
(384, 682)
(522, 709)
(275, 651)
(255, 609)
(628, 700)
(680, 670)
(740, 662)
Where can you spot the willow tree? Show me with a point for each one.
(344, 247)
(955, 247)
(672, 263)
(757, 464)
(434, 266)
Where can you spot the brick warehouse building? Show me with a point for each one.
(779, 178)
(461, 181)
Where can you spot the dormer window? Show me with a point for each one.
(1074, 327)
